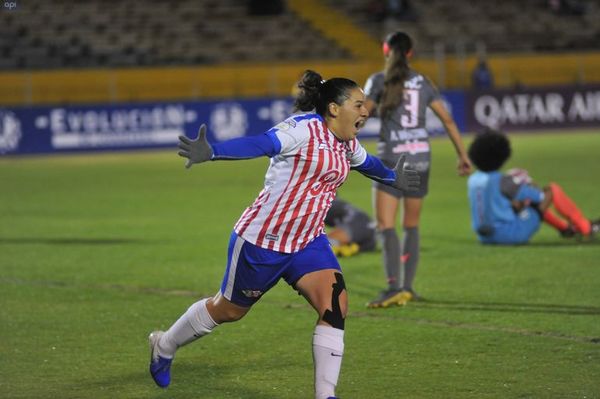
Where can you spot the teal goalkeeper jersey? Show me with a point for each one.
(490, 199)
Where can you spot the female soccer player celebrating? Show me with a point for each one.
(281, 234)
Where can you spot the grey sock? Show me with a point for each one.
(410, 256)
(391, 257)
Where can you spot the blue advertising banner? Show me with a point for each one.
(64, 129)
(129, 126)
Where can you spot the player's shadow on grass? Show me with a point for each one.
(574, 310)
(70, 241)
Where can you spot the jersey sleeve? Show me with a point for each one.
(369, 165)
(374, 169)
(374, 87)
(291, 135)
(359, 154)
(514, 190)
(285, 139)
(430, 91)
(246, 147)
(527, 192)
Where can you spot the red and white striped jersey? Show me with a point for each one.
(300, 185)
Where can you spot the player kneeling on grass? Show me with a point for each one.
(351, 230)
(281, 234)
(508, 208)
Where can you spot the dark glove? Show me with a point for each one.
(406, 177)
(196, 151)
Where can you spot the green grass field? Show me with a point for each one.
(98, 250)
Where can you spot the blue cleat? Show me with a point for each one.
(160, 367)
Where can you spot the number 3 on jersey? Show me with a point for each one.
(411, 105)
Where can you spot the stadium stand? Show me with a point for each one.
(68, 34)
(506, 26)
(68, 51)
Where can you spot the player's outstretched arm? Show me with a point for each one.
(199, 150)
(402, 177)
(196, 151)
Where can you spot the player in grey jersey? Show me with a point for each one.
(401, 97)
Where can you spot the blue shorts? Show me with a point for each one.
(519, 231)
(252, 271)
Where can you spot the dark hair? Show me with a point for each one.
(396, 71)
(316, 93)
(489, 150)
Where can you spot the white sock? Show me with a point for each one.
(193, 324)
(328, 349)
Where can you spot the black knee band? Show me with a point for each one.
(334, 316)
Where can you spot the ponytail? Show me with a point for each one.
(308, 91)
(396, 71)
(316, 94)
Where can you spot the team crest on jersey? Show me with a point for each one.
(252, 293)
(286, 125)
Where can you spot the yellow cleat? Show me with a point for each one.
(347, 250)
(389, 298)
